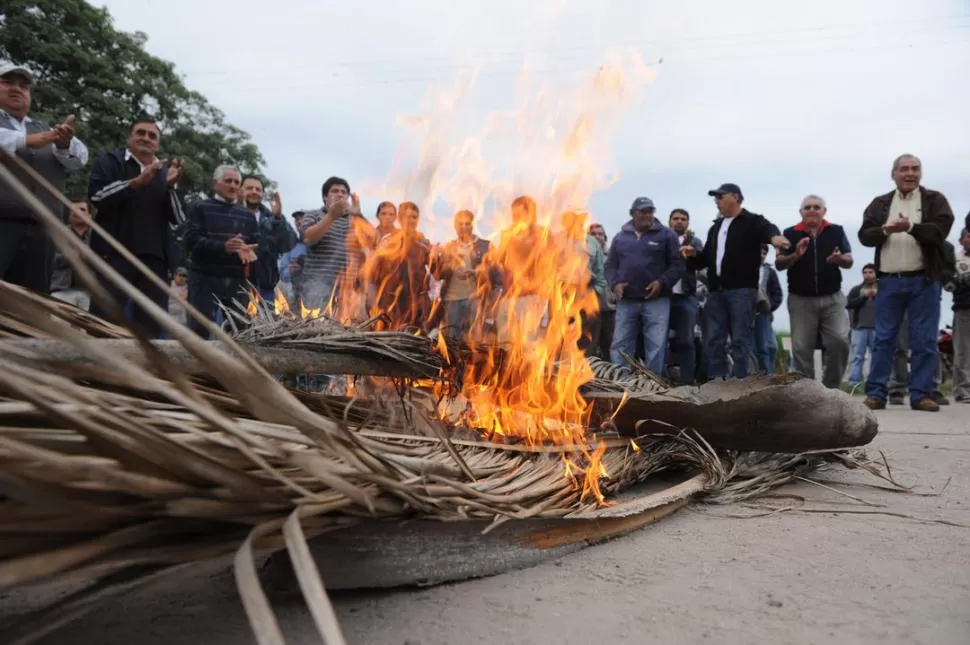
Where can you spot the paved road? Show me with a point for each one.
(698, 577)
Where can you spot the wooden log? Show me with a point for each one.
(767, 414)
(275, 360)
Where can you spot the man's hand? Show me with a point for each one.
(40, 139)
(900, 225)
(835, 257)
(688, 236)
(175, 170)
(338, 210)
(802, 247)
(277, 205)
(868, 292)
(688, 251)
(294, 268)
(355, 203)
(247, 253)
(618, 290)
(780, 242)
(147, 175)
(64, 133)
(654, 289)
(233, 244)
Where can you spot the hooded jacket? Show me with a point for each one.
(638, 259)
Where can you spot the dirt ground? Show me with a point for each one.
(697, 577)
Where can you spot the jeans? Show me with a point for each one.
(961, 355)
(765, 343)
(683, 319)
(919, 299)
(730, 313)
(814, 317)
(862, 339)
(459, 316)
(652, 318)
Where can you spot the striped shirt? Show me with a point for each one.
(337, 252)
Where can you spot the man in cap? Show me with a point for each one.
(26, 254)
(642, 267)
(732, 257)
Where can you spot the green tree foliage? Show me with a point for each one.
(86, 67)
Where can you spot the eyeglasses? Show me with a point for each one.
(142, 132)
(812, 207)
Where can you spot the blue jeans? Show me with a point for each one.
(862, 339)
(459, 316)
(683, 319)
(918, 298)
(652, 317)
(730, 313)
(765, 344)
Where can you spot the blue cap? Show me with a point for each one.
(726, 188)
(642, 204)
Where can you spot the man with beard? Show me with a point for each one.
(274, 237)
(26, 253)
(683, 302)
(907, 227)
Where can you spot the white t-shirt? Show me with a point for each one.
(722, 241)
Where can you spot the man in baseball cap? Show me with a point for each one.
(643, 265)
(727, 189)
(26, 253)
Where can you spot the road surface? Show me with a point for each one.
(697, 577)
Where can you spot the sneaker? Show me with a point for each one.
(940, 399)
(897, 399)
(926, 404)
(873, 403)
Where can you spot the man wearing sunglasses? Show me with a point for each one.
(816, 305)
(135, 195)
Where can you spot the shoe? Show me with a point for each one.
(939, 399)
(897, 399)
(926, 404)
(873, 403)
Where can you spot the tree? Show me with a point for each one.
(86, 67)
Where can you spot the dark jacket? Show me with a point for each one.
(12, 206)
(688, 283)
(854, 302)
(639, 260)
(275, 237)
(62, 276)
(742, 257)
(937, 219)
(812, 275)
(210, 224)
(139, 218)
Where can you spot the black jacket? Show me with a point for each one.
(139, 218)
(742, 257)
(812, 275)
(931, 232)
(275, 237)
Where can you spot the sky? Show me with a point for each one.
(428, 100)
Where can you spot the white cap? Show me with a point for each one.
(10, 68)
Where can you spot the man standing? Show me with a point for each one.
(135, 196)
(960, 285)
(456, 265)
(861, 304)
(275, 236)
(291, 266)
(732, 257)
(220, 236)
(400, 273)
(816, 305)
(333, 257)
(683, 302)
(608, 303)
(769, 299)
(64, 286)
(907, 227)
(26, 252)
(642, 267)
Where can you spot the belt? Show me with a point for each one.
(919, 273)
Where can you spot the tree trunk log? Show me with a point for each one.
(274, 360)
(769, 414)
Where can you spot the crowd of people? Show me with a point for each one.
(692, 309)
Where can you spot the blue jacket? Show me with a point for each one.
(639, 260)
(293, 255)
(274, 237)
(210, 224)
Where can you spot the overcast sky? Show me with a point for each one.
(784, 99)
